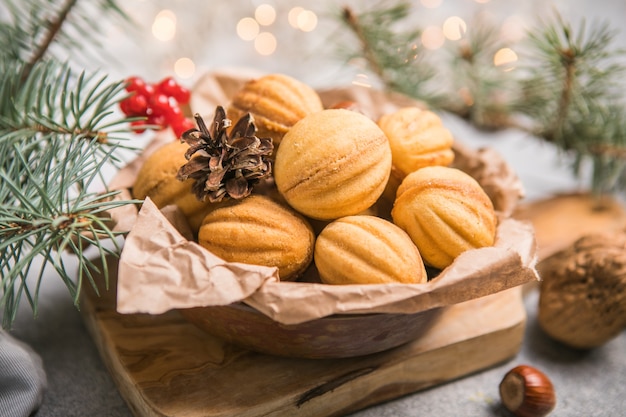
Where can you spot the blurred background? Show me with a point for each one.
(187, 38)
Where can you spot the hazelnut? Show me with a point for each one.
(527, 392)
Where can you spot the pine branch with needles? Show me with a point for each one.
(59, 134)
(566, 88)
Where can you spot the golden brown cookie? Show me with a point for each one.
(157, 179)
(276, 102)
(259, 231)
(446, 212)
(367, 250)
(417, 138)
(333, 163)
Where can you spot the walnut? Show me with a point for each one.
(582, 299)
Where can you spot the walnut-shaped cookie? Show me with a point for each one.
(259, 231)
(417, 138)
(332, 163)
(157, 179)
(276, 102)
(366, 249)
(446, 212)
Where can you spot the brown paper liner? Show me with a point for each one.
(161, 269)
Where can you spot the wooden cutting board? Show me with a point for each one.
(562, 219)
(165, 366)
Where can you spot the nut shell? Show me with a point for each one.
(333, 163)
(157, 179)
(417, 138)
(582, 300)
(527, 392)
(276, 102)
(446, 212)
(367, 250)
(259, 231)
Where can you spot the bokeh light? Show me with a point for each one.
(184, 68)
(454, 28)
(265, 14)
(164, 25)
(247, 28)
(265, 43)
(432, 37)
(292, 16)
(504, 58)
(307, 21)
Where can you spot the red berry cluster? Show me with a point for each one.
(159, 102)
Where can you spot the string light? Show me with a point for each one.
(184, 68)
(292, 16)
(265, 43)
(504, 57)
(265, 14)
(454, 28)
(247, 28)
(432, 37)
(466, 96)
(164, 25)
(307, 21)
(302, 19)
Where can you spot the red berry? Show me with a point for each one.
(174, 114)
(137, 105)
(181, 125)
(167, 86)
(160, 104)
(171, 88)
(135, 83)
(138, 85)
(125, 107)
(156, 121)
(183, 95)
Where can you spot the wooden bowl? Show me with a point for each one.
(336, 336)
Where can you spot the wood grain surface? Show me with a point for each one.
(165, 366)
(562, 219)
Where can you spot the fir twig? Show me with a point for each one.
(51, 171)
(59, 133)
(571, 96)
(566, 89)
(353, 23)
(396, 57)
(52, 30)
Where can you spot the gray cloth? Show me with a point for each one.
(22, 378)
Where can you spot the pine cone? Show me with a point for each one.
(223, 165)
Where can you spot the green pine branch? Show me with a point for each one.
(58, 133)
(60, 130)
(396, 57)
(574, 95)
(35, 30)
(566, 88)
